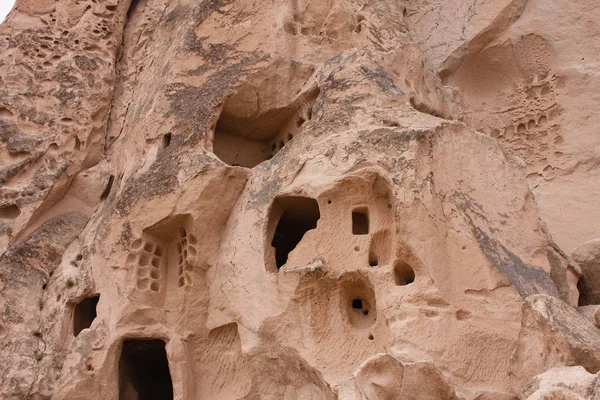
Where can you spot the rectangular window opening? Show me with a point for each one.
(144, 371)
(360, 221)
(84, 314)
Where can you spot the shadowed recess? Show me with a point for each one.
(144, 371)
(85, 313)
(403, 274)
(299, 216)
(360, 221)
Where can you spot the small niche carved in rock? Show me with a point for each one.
(166, 140)
(149, 263)
(163, 260)
(295, 215)
(186, 250)
(357, 304)
(403, 274)
(358, 300)
(360, 221)
(144, 371)
(84, 314)
(373, 260)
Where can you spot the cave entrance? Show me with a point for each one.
(246, 142)
(264, 114)
(144, 371)
(298, 216)
(84, 314)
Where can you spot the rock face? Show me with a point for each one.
(297, 200)
(563, 383)
(552, 334)
(588, 257)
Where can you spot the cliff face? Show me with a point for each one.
(299, 200)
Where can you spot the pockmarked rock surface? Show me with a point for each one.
(339, 199)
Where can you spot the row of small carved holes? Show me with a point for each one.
(522, 127)
(185, 250)
(149, 264)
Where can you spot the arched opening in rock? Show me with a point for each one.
(264, 114)
(403, 274)
(144, 371)
(358, 301)
(360, 221)
(297, 215)
(84, 314)
(246, 141)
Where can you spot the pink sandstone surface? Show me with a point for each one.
(334, 199)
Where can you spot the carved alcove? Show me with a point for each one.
(263, 114)
(144, 371)
(290, 218)
(162, 261)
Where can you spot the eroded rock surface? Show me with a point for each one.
(554, 334)
(296, 200)
(588, 257)
(563, 383)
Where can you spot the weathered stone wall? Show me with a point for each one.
(298, 200)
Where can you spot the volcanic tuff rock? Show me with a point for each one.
(334, 199)
(588, 257)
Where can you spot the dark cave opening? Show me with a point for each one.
(84, 314)
(300, 215)
(360, 221)
(144, 371)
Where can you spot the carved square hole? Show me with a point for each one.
(360, 221)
